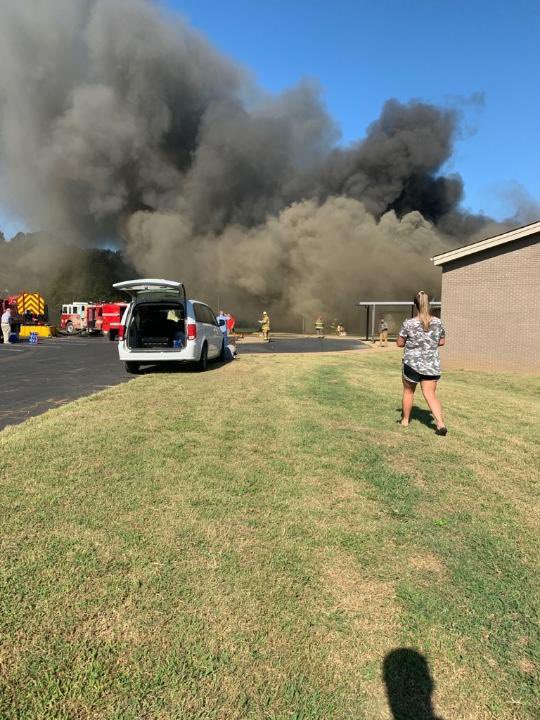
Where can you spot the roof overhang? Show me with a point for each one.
(486, 244)
(399, 303)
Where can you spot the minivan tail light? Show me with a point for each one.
(191, 331)
(121, 331)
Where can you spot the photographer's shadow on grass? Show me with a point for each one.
(409, 685)
(423, 416)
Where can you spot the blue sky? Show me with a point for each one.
(363, 51)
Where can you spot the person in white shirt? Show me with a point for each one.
(223, 316)
(223, 319)
(5, 323)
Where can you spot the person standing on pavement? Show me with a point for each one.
(383, 332)
(319, 326)
(231, 322)
(5, 323)
(421, 336)
(223, 320)
(264, 322)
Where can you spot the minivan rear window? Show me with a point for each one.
(203, 314)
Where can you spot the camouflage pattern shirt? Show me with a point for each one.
(421, 347)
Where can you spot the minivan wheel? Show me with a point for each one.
(202, 365)
(132, 367)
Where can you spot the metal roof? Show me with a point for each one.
(486, 244)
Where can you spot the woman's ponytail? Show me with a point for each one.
(421, 302)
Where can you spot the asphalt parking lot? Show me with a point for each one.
(289, 343)
(36, 378)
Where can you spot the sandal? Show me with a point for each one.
(441, 431)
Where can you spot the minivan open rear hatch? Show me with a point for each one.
(149, 288)
(156, 319)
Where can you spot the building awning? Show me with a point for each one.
(371, 308)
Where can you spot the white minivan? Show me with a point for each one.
(161, 325)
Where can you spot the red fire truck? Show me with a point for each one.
(28, 314)
(73, 316)
(105, 318)
(92, 318)
(29, 307)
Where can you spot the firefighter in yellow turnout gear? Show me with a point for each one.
(319, 327)
(264, 322)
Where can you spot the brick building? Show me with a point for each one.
(491, 303)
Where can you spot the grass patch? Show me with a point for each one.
(255, 541)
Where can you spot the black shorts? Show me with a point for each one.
(415, 377)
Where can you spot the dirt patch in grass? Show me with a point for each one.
(427, 563)
(369, 602)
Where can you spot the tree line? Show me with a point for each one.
(61, 272)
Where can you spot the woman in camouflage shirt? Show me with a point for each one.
(421, 337)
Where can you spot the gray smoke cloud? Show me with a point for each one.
(120, 122)
(311, 258)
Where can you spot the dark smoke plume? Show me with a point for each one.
(121, 124)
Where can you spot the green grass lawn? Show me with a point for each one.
(253, 542)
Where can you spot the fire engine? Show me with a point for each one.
(105, 318)
(92, 318)
(112, 318)
(73, 316)
(30, 307)
(29, 314)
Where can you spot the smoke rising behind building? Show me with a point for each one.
(119, 123)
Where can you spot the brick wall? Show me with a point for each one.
(491, 309)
